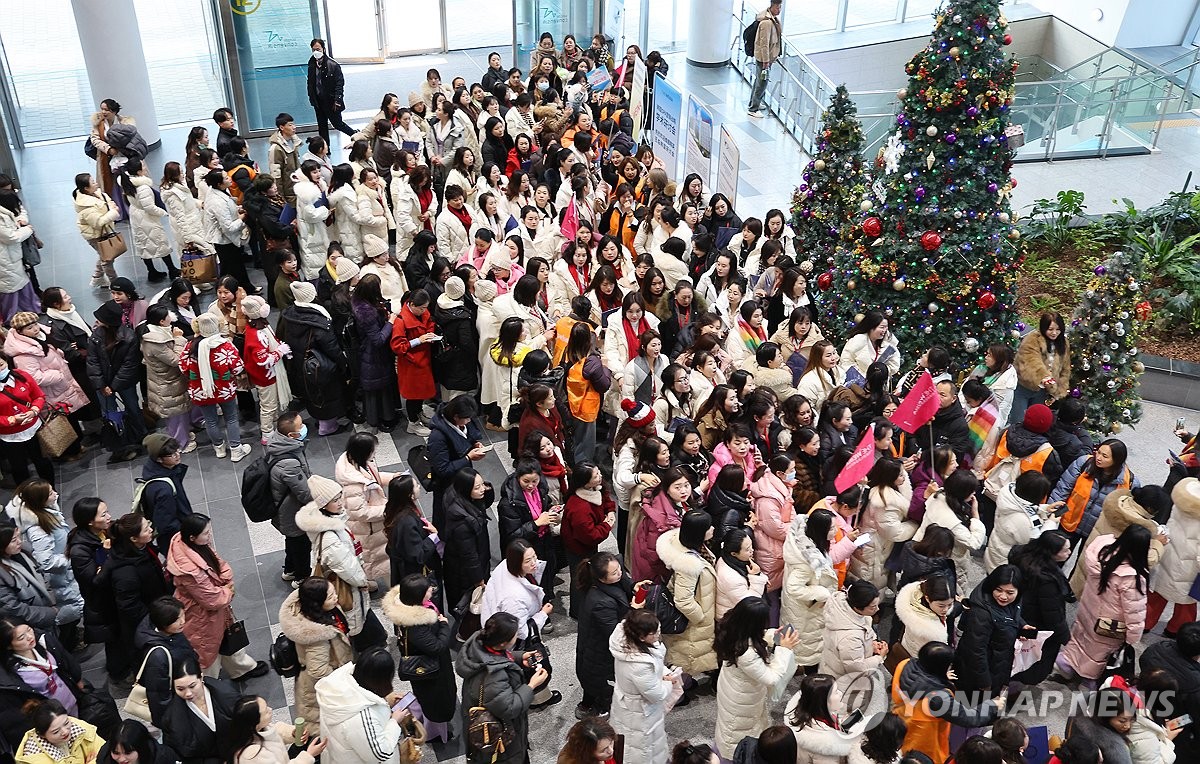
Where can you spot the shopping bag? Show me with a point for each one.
(110, 246)
(1027, 652)
(197, 266)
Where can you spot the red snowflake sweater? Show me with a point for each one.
(226, 365)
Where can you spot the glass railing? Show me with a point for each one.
(1108, 105)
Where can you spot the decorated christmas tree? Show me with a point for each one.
(826, 204)
(1103, 334)
(937, 252)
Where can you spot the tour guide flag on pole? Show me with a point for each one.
(919, 406)
(860, 462)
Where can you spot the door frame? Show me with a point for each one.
(10, 105)
(380, 36)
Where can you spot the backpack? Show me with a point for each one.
(257, 498)
(284, 658)
(421, 466)
(749, 36)
(140, 489)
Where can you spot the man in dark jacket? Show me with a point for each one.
(227, 130)
(289, 489)
(455, 441)
(164, 499)
(325, 86)
(1180, 657)
(948, 426)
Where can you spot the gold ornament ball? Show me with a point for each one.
(1116, 427)
(1139, 367)
(1014, 234)
(866, 205)
(819, 165)
(858, 318)
(851, 284)
(899, 284)
(954, 51)
(902, 93)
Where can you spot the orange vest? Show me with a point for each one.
(1035, 461)
(562, 333)
(1081, 495)
(234, 190)
(926, 733)
(583, 399)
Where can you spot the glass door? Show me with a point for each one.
(9, 105)
(355, 31)
(414, 26)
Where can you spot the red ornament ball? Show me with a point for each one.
(931, 240)
(1008, 39)
(825, 280)
(986, 300)
(872, 227)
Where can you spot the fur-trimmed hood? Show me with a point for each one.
(677, 557)
(1122, 511)
(406, 615)
(798, 547)
(299, 629)
(311, 519)
(1186, 496)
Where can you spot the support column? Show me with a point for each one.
(116, 63)
(710, 25)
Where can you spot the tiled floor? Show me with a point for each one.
(770, 167)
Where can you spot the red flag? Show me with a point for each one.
(919, 406)
(860, 462)
(570, 223)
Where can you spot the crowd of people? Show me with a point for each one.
(500, 260)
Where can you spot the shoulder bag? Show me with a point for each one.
(137, 704)
(111, 245)
(487, 737)
(413, 667)
(662, 604)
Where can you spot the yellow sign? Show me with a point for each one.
(244, 7)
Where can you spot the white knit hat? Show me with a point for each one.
(323, 490)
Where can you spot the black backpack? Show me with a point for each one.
(284, 658)
(749, 36)
(257, 499)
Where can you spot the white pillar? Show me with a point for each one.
(116, 64)
(710, 24)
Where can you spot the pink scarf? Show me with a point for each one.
(534, 500)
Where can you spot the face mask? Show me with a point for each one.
(790, 476)
(4, 375)
(318, 55)
(543, 86)
(303, 432)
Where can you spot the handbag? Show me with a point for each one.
(110, 246)
(1110, 628)
(197, 266)
(98, 708)
(31, 254)
(487, 737)
(468, 610)
(89, 148)
(533, 641)
(56, 434)
(1120, 663)
(137, 704)
(412, 666)
(235, 639)
(661, 602)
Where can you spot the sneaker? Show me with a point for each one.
(220, 449)
(755, 114)
(418, 429)
(191, 444)
(582, 712)
(240, 452)
(287, 576)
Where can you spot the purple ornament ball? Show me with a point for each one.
(1100, 270)
(919, 192)
(992, 188)
(972, 112)
(1076, 392)
(951, 137)
(1022, 326)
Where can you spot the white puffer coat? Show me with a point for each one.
(639, 696)
(373, 203)
(348, 221)
(12, 233)
(616, 358)
(747, 691)
(1148, 741)
(356, 722)
(921, 625)
(517, 596)
(809, 580)
(333, 548)
(364, 494)
(1017, 522)
(733, 587)
(452, 238)
(818, 743)
(884, 518)
(1177, 570)
(185, 217)
(310, 227)
(406, 206)
(849, 640)
(967, 536)
(146, 219)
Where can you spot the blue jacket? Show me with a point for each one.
(1091, 512)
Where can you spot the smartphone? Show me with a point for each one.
(854, 718)
(1181, 423)
(1179, 721)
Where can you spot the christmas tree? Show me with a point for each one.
(1103, 334)
(826, 204)
(937, 253)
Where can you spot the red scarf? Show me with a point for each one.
(553, 469)
(632, 335)
(607, 302)
(580, 282)
(426, 198)
(463, 216)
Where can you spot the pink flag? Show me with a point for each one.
(570, 223)
(860, 462)
(919, 406)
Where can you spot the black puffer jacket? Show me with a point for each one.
(984, 657)
(949, 427)
(516, 519)
(456, 365)
(136, 579)
(1022, 443)
(468, 546)
(119, 369)
(1070, 442)
(156, 676)
(728, 510)
(321, 384)
(89, 561)
(1166, 655)
(604, 606)
(1044, 598)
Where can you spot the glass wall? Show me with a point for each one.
(472, 24)
(414, 26)
(49, 82)
(558, 17)
(271, 43)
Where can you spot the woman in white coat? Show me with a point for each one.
(146, 214)
(357, 720)
(809, 580)
(851, 647)
(570, 277)
(1177, 570)
(411, 216)
(738, 575)
(812, 716)
(634, 320)
(641, 687)
(324, 520)
(925, 608)
(1021, 516)
(754, 672)
(348, 222)
(453, 237)
(373, 204)
(183, 210)
(871, 341)
(954, 508)
(884, 518)
(16, 291)
(312, 210)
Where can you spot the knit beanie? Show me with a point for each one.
(639, 413)
(302, 291)
(323, 490)
(346, 270)
(1038, 418)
